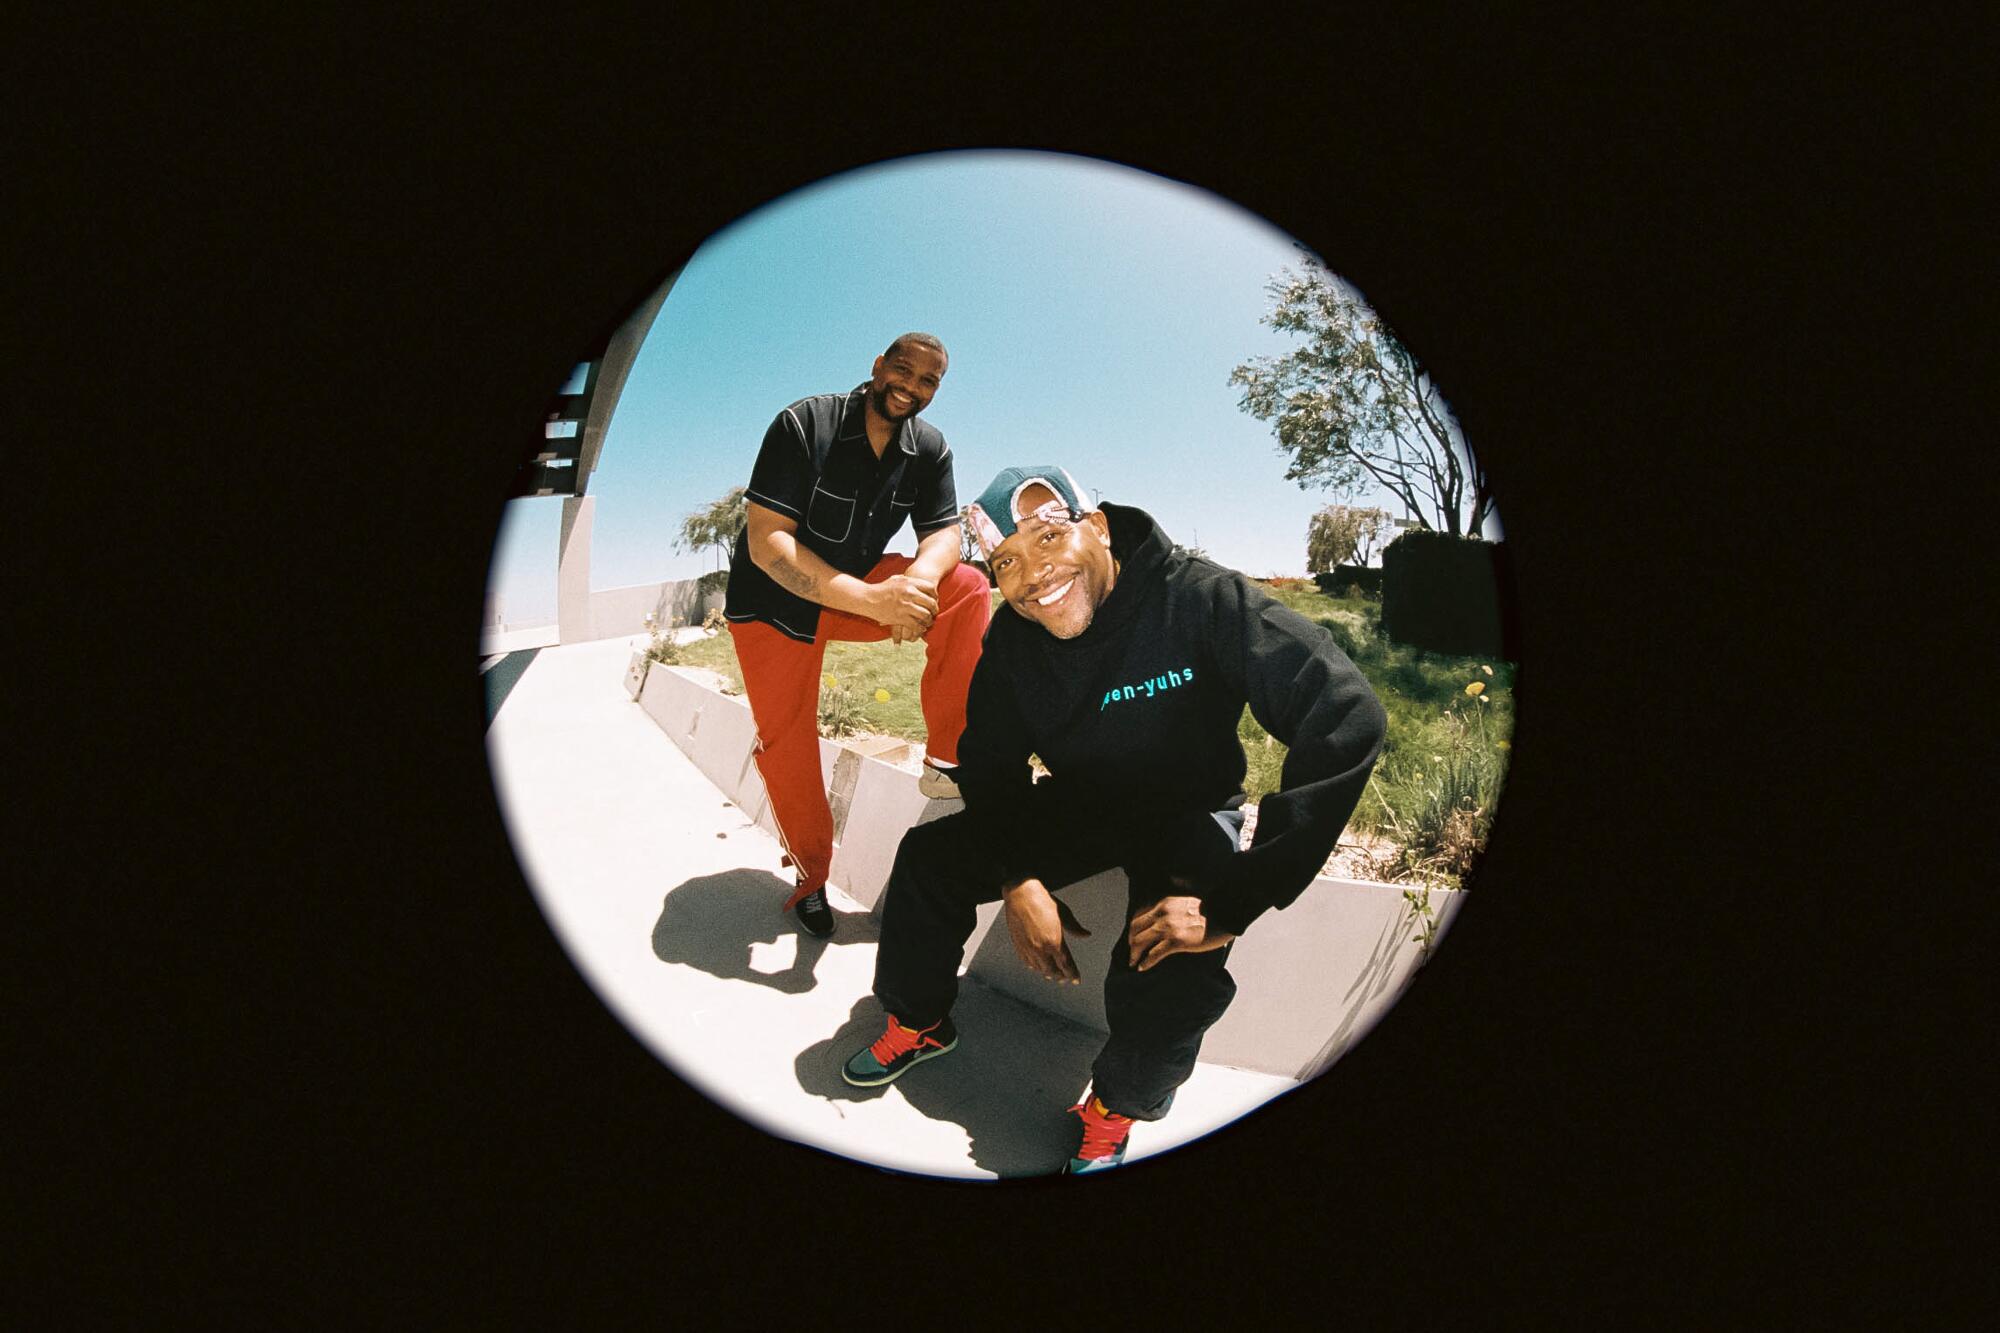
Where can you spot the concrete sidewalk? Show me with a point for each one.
(667, 897)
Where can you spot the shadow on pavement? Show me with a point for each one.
(711, 921)
(1009, 1082)
(500, 679)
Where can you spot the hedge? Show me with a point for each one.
(1448, 594)
(1367, 579)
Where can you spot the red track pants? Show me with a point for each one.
(781, 677)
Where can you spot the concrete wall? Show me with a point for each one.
(676, 602)
(618, 612)
(579, 515)
(615, 613)
(1311, 980)
(517, 638)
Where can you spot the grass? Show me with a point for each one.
(1434, 788)
(858, 671)
(1433, 722)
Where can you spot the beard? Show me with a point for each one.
(879, 400)
(1071, 630)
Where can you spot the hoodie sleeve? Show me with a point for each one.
(1305, 692)
(1002, 799)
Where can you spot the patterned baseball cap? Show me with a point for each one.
(996, 515)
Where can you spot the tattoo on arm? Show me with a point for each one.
(794, 579)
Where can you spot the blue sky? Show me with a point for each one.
(1092, 312)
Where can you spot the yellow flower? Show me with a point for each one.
(881, 696)
(1487, 669)
(1476, 688)
(831, 682)
(1502, 745)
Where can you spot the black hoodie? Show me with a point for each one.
(1136, 718)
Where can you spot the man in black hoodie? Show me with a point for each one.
(1124, 667)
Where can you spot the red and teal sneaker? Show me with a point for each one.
(896, 1050)
(1104, 1135)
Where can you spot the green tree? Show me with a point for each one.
(1353, 405)
(968, 548)
(715, 525)
(1341, 535)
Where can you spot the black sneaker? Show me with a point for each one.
(896, 1050)
(814, 915)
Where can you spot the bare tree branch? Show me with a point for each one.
(1352, 402)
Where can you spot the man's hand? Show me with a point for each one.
(1036, 921)
(905, 603)
(907, 634)
(1170, 926)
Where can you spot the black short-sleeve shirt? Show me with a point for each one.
(816, 467)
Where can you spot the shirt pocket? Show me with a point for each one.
(829, 516)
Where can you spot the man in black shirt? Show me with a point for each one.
(835, 479)
(1124, 665)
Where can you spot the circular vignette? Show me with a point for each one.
(1178, 356)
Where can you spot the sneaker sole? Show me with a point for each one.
(1070, 1168)
(891, 1078)
(937, 789)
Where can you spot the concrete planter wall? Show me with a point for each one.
(1311, 980)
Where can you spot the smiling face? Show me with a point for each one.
(1053, 571)
(905, 379)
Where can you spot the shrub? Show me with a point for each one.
(663, 649)
(1349, 641)
(1351, 581)
(1444, 593)
(1461, 840)
(1439, 806)
(714, 622)
(839, 711)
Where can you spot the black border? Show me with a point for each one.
(330, 1063)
